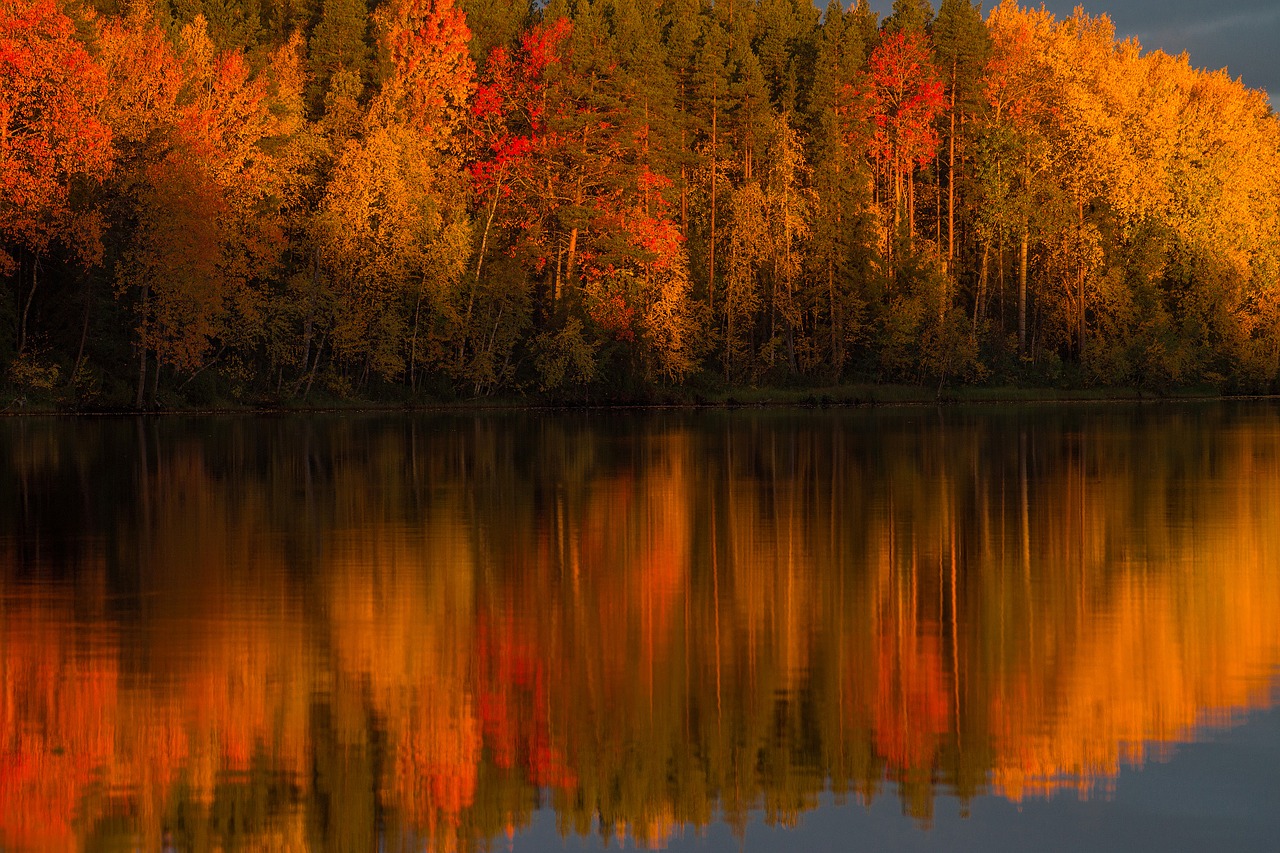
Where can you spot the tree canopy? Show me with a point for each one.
(419, 199)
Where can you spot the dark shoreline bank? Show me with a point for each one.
(833, 397)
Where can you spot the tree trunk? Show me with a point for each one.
(982, 284)
(911, 208)
(142, 348)
(573, 252)
(951, 179)
(26, 306)
(711, 251)
(1080, 282)
(315, 365)
(837, 355)
(1000, 270)
(937, 206)
(475, 285)
(413, 344)
(84, 332)
(1022, 289)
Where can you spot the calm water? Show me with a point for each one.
(1050, 628)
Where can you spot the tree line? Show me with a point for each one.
(208, 200)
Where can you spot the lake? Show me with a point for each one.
(1048, 627)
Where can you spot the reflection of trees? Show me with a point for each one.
(317, 634)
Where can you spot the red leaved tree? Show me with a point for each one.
(906, 100)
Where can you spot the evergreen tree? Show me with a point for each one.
(340, 41)
(710, 84)
(681, 22)
(961, 46)
(863, 19)
(495, 23)
(909, 16)
(749, 109)
(841, 240)
(784, 47)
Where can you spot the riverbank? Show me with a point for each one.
(844, 395)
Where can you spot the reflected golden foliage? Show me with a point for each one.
(682, 623)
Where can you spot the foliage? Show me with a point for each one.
(488, 197)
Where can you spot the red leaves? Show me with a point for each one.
(508, 135)
(486, 102)
(615, 317)
(514, 700)
(906, 99)
(543, 46)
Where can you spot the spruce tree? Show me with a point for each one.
(961, 45)
(784, 47)
(748, 106)
(837, 262)
(339, 41)
(495, 23)
(681, 22)
(909, 15)
(863, 19)
(710, 96)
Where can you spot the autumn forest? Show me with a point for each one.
(207, 201)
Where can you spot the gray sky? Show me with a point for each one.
(1241, 35)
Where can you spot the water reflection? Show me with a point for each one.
(338, 633)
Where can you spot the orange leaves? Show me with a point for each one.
(145, 78)
(50, 131)
(1016, 82)
(57, 720)
(207, 196)
(432, 73)
(178, 252)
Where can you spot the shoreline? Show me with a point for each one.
(830, 397)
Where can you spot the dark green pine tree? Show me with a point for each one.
(710, 99)
(232, 23)
(839, 261)
(862, 18)
(649, 86)
(495, 23)
(961, 45)
(748, 107)
(785, 47)
(909, 16)
(282, 18)
(587, 166)
(340, 41)
(681, 23)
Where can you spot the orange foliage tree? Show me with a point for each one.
(53, 143)
(392, 228)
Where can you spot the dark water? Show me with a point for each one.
(1048, 628)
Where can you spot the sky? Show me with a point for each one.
(1241, 35)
